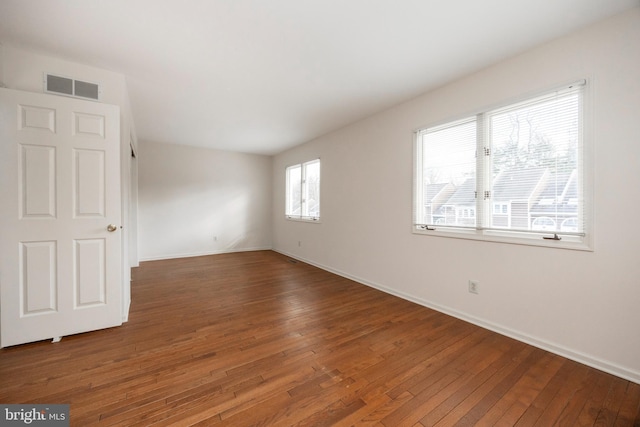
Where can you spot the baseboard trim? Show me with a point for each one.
(574, 355)
(204, 253)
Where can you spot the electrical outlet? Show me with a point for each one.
(215, 238)
(474, 286)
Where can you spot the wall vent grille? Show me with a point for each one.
(69, 87)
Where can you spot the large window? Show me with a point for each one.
(510, 174)
(303, 191)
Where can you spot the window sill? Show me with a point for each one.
(570, 242)
(298, 219)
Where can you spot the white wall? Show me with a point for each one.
(1, 66)
(584, 305)
(24, 70)
(188, 196)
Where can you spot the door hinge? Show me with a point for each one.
(487, 195)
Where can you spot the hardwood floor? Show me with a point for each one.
(257, 339)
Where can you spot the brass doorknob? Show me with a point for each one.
(111, 228)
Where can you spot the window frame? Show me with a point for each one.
(304, 188)
(575, 241)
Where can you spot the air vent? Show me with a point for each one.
(70, 87)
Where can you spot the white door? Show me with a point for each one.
(60, 236)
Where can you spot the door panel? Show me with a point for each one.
(38, 118)
(38, 181)
(60, 268)
(89, 183)
(89, 273)
(90, 125)
(38, 279)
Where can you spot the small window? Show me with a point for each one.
(500, 208)
(512, 174)
(303, 191)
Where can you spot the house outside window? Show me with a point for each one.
(514, 173)
(303, 191)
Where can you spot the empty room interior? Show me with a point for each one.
(246, 212)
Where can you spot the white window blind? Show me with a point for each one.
(303, 191)
(294, 190)
(448, 159)
(516, 169)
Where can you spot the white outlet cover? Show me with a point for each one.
(474, 286)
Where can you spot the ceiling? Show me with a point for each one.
(261, 76)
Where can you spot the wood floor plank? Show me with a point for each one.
(524, 391)
(595, 403)
(626, 415)
(460, 405)
(255, 339)
(573, 408)
(559, 393)
(611, 406)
